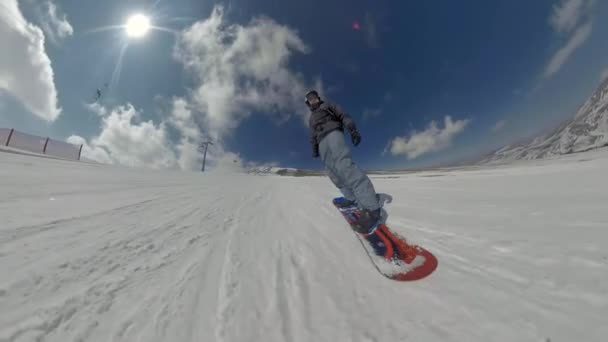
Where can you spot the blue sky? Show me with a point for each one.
(427, 82)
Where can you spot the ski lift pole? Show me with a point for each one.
(204, 157)
(204, 146)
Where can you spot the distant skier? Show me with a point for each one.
(327, 123)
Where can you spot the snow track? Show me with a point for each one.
(100, 253)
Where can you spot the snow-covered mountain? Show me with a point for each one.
(587, 130)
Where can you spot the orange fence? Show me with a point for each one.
(32, 143)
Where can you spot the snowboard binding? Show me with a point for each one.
(390, 253)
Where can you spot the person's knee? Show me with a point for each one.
(351, 171)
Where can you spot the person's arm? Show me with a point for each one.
(313, 142)
(348, 122)
(343, 116)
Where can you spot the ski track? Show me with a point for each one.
(100, 253)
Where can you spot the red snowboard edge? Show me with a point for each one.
(430, 264)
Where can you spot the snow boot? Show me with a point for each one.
(343, 203)
(367, 221)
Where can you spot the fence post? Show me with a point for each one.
(46, 143)
(10, 135)
(80, 151)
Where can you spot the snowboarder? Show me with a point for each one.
(327, 122)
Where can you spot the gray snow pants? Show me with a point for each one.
(346, 176)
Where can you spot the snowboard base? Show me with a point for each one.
(390, 253)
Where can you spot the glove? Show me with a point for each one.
(355, 137)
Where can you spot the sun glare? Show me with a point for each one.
(137, 26)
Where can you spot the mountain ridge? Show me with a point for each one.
(587, 130)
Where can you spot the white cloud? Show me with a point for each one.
(499, 126)
(566, 20)
(567, 14)
(126, 140)
(94, 153)
(182, 119)
(97, 108)
(54, 23)
(237, 71)
(561, 56)
(432, 139)
(25, 68)
(240, 70)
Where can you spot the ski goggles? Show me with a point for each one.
(312, 96)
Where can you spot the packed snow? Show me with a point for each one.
(102, 253)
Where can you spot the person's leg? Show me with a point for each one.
(339, 160)
(328, 159)
(339, 183)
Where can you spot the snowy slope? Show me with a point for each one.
(587, 130)
(282, 171)
(100, 253)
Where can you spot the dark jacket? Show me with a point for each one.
(327, 118)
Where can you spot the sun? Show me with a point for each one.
(137, 26)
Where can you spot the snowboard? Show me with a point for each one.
(389, 252)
